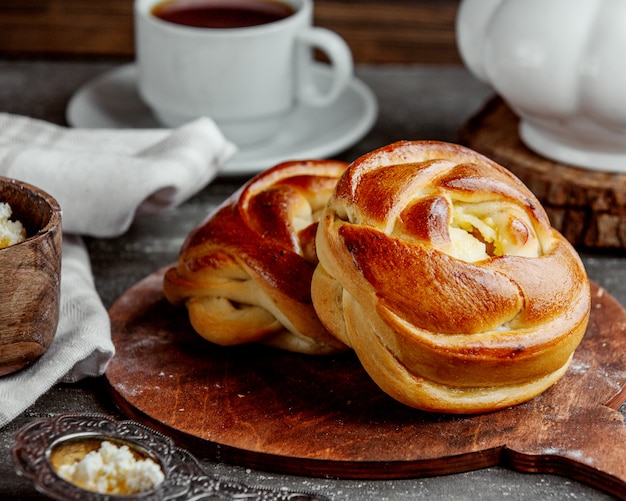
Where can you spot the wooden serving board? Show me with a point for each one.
(322, 416)
(587, 206)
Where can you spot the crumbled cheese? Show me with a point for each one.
(483, 230)
(113, 470)
(11, 232)
(466, 246)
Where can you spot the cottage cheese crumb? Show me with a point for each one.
(113, 470)
(11, 232)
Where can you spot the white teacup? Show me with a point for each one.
(247, 79)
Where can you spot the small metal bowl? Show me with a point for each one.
(43, 445)
(31, 277)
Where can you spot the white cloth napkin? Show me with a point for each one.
(102, 179)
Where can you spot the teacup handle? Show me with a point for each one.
(341, 64)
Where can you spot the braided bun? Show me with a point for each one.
(245, 272)
(441, 270)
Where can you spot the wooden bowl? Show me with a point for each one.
(31, 277)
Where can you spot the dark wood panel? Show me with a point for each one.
(394, 32)
(397, 31)
(66, 27)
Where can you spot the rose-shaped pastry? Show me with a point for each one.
(441, 270)
(245, 272)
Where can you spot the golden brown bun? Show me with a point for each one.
(441, 270)
(245, 272)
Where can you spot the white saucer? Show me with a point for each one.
(111, 101)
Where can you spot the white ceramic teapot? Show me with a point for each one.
(561, 66)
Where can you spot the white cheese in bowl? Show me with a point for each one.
(11, 232)
(113, 470)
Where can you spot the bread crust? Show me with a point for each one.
(442, 271)
(245, 272)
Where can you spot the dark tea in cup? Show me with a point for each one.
(222, 13)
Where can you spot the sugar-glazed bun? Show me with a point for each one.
(441, 270)
(245, 272)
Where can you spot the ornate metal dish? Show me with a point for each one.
(44, 444)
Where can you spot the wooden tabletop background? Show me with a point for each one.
(390, 31)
